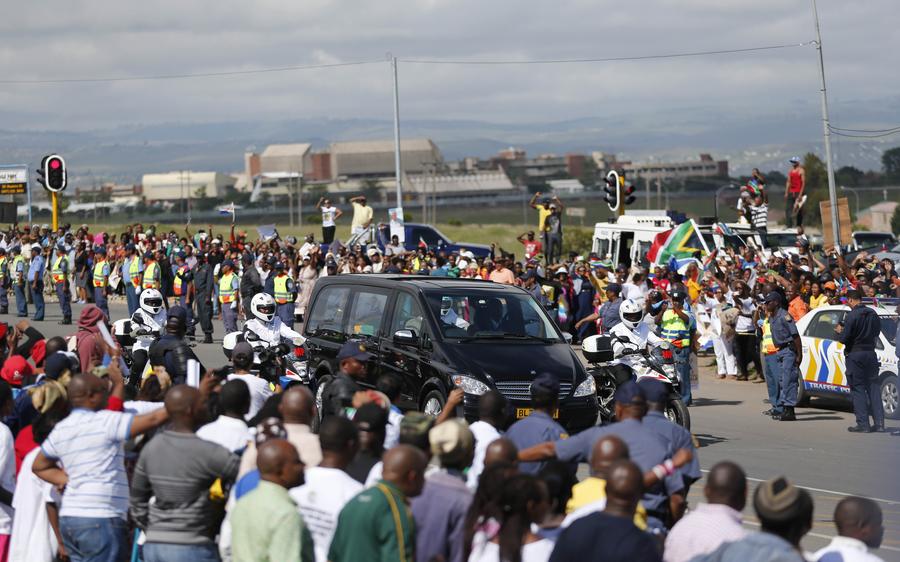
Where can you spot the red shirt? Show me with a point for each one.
(796, 181)
(532, 248)
(24, 444)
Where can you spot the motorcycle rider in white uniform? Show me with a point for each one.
(147, 324)
(638, 333)
(268, 328)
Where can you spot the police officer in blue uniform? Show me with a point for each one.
(858, 332)
(680, 438)
(786, 338)
(664, 501)
(539, 426)
(609, 311)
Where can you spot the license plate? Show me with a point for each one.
(525, 412)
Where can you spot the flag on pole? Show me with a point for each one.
(228, 210)
(681, 242)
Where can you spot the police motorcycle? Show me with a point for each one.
(632, 352)
(137, 333)
(278, 352)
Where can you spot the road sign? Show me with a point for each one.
(576, 212)
(13, 181)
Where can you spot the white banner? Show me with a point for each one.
(13, 175)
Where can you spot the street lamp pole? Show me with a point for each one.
(856, 196)
(398, 172)
(826, 127)
(718, 192)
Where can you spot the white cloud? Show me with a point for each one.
(99, 38)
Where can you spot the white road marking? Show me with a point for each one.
(880, 500)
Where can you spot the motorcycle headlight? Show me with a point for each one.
(586, 388)
(470, 385)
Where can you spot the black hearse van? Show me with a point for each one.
(436, 334)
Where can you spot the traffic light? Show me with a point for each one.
(52, 173)
(628, 194)
(611, 190)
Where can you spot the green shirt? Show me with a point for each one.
(266, 527)
(376, 525)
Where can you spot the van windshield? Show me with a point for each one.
(490, 315)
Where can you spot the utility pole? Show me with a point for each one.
(398, 171)
(189, 198)
(826, 127)
(290, 193)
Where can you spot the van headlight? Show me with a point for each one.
(586, 388)
(469, 385)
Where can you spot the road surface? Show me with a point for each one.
(815, 452)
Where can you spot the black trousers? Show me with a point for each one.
(865, 388)
(204, 313)
(328, 234)
(745, 351)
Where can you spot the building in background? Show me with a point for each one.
(878, 217)
(375, 159)
(705, 167)
(173, 186)
(445, 186)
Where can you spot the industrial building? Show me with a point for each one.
(705, 167)
(374, 159)
(173, 186)
(459, 185)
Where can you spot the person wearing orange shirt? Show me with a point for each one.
(797, 307)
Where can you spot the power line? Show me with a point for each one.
(891, 130)
(894, 132)
(608, 59)
(189, 75)
(184, 76)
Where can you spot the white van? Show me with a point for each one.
(628, 239)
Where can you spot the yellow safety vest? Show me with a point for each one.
(150, 281)
(178, 280)
(134, 271)
(99, 278)
(227, 293)
(2, 268)
(675, 330)
(16, 261)
(282, 295)
(57, 272)
(768, 344)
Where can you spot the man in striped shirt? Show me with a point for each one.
(84, 455)
(759, 215)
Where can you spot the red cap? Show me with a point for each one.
(39, 352)
(15, 370)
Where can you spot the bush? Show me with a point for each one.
(313, 219)
(455, 222)
(577, 240)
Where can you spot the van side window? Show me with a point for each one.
(367, 312)
(327, 316)
(822, 326)
(407, 315)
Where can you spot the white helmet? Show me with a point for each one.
(631, 313)
(263, 307)
(151, 301)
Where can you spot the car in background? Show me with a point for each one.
(880, 241)
(437, 334)
(823, 369)
(428, 237)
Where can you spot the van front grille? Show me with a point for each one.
(521, 390)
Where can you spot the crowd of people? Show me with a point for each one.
(195, 473)
(99, 465)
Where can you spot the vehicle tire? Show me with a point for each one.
(802, 396)
(890, 395)
(321, 383)
(677, 412)
(433, 403)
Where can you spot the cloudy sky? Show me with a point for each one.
(106, 38)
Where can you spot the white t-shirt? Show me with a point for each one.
(7, 476)
(745, 320)
(320, 501)
(538, 551)
(259, 391)
(328, 216)
(485, 434)
(33, 540)
(89, 446)
(392, 431)
(231, 433)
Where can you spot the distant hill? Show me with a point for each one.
(124, 153)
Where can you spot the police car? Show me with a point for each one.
(823, 370)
